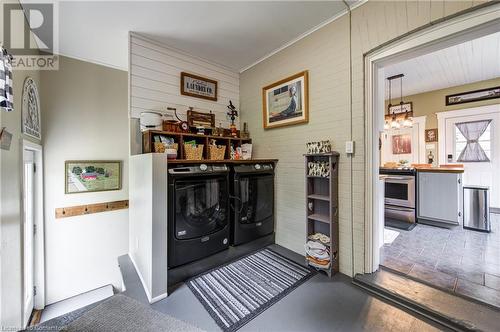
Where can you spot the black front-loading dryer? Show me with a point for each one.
(252, 208)
(198, 212)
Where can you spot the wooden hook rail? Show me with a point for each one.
(73, 211)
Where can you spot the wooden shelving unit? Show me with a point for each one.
(148, 139)
(322, 206)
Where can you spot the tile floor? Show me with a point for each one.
(462, 261)
(319, 304)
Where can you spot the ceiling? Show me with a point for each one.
(469, 62)
(235, 34)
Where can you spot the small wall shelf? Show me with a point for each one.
(322, 206)
(148, 139)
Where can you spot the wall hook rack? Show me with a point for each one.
(78, 210)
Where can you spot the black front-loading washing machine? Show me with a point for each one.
(198, 212)
(252, 208)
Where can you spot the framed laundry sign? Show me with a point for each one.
(198, 86)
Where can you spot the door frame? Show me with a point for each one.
(39, 237)
(471, 25)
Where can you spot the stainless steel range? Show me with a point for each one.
(400, 193)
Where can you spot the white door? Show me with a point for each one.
(29, 208)
(482, 173)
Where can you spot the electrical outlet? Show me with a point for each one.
(349, 147)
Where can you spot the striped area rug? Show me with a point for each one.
(237, 292)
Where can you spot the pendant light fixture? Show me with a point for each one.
(397, 117)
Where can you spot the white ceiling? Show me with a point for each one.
(465, 63)
(235, 34)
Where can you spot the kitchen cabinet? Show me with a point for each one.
(439, 197)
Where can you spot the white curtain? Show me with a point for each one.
(472, 131)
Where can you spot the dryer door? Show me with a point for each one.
(256, 198)
(201, 206)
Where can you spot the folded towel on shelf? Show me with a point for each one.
(323, 264)
(325, 239)
(317, 250)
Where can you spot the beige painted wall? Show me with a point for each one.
(10, 202)
(325, 54)
(432, 102)
(85, 118)
(333, 114)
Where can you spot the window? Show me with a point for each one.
(484, 141)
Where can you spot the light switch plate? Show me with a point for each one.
(349, 147)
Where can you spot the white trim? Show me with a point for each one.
(297, 39)
(421, 121)
(357, 4)
(38, 239)
(151, 299)
(143, 282)
(159, 297)
(467, 26)
(104, 64)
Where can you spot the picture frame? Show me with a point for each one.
(286, 102)
(85, 176)
(401, 144)
(199, 87)
(431, 135)
(473, 96)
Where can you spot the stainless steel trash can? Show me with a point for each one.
(477, 208)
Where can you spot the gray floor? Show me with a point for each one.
(320, 304)
(459, 260)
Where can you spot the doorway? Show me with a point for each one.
(410, 251)
(479, 169)
(33, 252)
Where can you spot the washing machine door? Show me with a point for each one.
(201, 206)
(256, 198)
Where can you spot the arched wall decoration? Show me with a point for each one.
(31, 121)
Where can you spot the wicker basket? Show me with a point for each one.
(172, 146)
(193, 152)
(216, 152)
(159, 147)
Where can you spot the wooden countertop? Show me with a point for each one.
(226, 161)
(440, 169)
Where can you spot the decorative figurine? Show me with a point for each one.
(233, 113)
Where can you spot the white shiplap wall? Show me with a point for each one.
(155, 81)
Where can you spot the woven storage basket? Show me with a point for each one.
(216, 152)
(172, 146)
(193, 152)
(159, 147)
